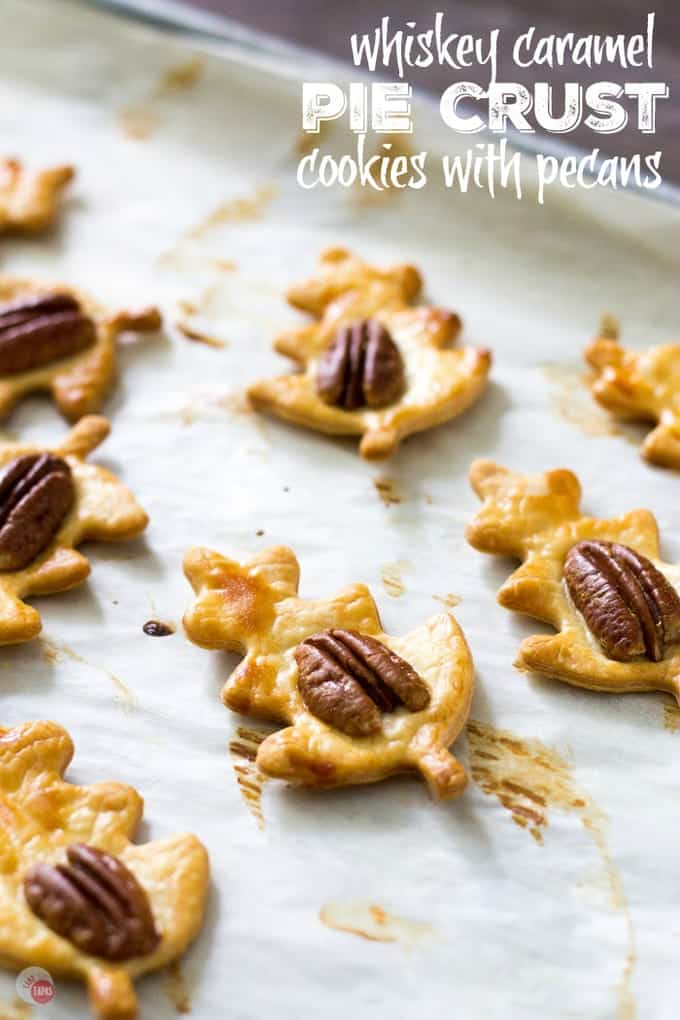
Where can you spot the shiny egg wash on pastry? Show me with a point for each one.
(29, 200)
(599, 583)
(50, 502)
(371, 363)
(640, 386)
(357, 704)
(76, 896)
(55, 340)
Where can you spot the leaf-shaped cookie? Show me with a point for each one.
(43, 819)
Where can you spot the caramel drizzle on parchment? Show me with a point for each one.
(372, 922)
(17, 1010)
(243, 750)
(390, 491)
(392, 579)
(176, 988)
(671, 717)
(54, 652)
(529, 779)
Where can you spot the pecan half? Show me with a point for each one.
(95, 902)
(36, 494)
(346, 679)
(39, 329)
(628, 605)
(362, 366)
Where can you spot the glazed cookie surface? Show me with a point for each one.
(77, 898)
(600, 583)
(29, 200)
(55, 340)
(372, 364)
(360, 705)
(50, 501)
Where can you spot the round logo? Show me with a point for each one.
(35, 986)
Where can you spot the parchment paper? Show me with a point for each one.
(484, 919)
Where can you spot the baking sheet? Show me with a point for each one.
(570, 913)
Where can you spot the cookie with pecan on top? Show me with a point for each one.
(600, 583)
(357, 704)
(372, 364)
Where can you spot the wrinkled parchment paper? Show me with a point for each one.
(550, 889)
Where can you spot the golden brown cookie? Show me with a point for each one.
(599, 583)
(371, 364)
(50, 501)
(640, 386)
(29, 201)
(70, 877)
(56, 340)
(360, 705)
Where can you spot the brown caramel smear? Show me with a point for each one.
(155, 628)
(372, 922)
(176, 988)
(392, 579)
(243, 750)
(389, 491)
(530, 779)
(671, 717)
(191, 333)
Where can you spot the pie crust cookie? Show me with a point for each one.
(642, 386)
(426, 382)
(56, 340)
(29, 200)
(43, 817)
(97, 506)
(253, 608)
(599, 583)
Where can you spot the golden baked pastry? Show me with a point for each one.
(29, 201)
(50, 501)
(640, 386)
(359, 705)
(54, 339)
(76, 897)
(371, 364)
(599, 583)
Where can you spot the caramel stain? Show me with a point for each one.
(237, 210)
(17, 1010)
(123, 696)
(137, 122)
(610, 328)
(393, 582)
(180, 78)
(389, 491)
(449, 600)
(389, 148)
(140, 121)
(574, 403)
(176, 989)
(307, 141)
(671, 717)
(197, 407)
(156, 628)
(243, 750)
(197, 336)
(370, 921)
(529, 779)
